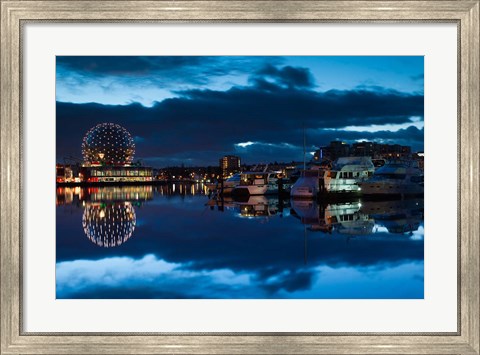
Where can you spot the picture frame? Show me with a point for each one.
(15, 13)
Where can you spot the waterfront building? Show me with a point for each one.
(115, 174)
(67, 173)
(108, 150)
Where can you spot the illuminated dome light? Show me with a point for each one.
(108, 143)
(109, 225)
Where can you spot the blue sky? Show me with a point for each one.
(193, 110)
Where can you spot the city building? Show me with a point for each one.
(420, 158)
(388, 151)
(363, 149)
(229, 164)
(335, 150)
(338, 149)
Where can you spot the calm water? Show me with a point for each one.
(172, 242)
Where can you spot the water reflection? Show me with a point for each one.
(108, 225)
(182, 189)
(171, 241)
(399, 217)
(250, 206)
(76, 195)
(361, 217)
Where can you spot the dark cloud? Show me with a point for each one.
(121, 65)
(164, 70)
(293, 281)
(418, 77)
(287, 76)
(213, 121)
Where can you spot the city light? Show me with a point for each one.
(108, 143)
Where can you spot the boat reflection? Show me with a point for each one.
(250, 206)
(344, 218)
(108, 224)
(349, 219)
(360, 218)
(398, 216)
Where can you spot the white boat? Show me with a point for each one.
(308, 184)
(397, 177)
(343, 177)
(257, 183)
(347, 173)
(228, 185)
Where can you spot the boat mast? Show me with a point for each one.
(305, 251)
(304, 149)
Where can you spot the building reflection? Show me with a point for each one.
(109, 217)
(181, 189)
(79, 195)
(76, 195)
(108, 224)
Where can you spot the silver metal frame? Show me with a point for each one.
(14, 13)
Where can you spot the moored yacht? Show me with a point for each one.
(397, 177)
(257, 183)
(343, 177)
(347, 173)
(228, 185)
(308, 184)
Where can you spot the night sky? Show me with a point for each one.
(193, 110)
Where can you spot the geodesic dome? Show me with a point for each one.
(108, 143)
(109, 225)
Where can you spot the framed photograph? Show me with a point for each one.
(240, 177)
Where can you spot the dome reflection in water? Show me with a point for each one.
(109, 224)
